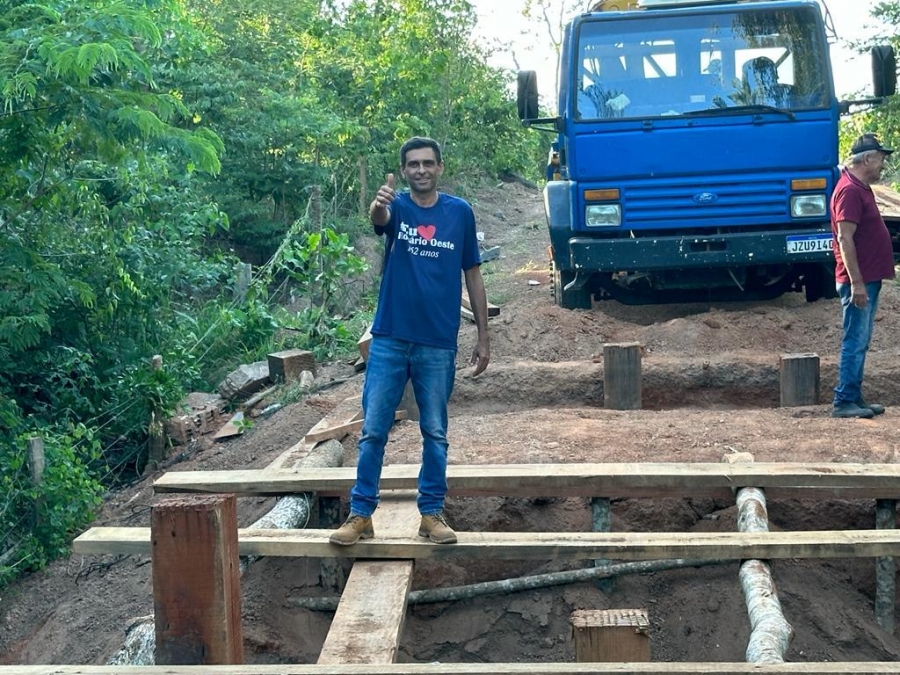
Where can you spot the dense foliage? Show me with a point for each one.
(147, 148)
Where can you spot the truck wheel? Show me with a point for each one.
(575, 299)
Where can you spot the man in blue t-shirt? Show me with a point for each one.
(429, 238)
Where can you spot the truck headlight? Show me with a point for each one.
(807, 206)
(603, 215)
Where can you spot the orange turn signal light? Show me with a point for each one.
(611, 194)
(808, 184)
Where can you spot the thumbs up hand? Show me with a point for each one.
(378, 211)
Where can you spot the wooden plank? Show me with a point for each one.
(392, 545)
(683, 668)
(345, 409)
(338, 431)
(368, 623)
(794, 479)
(493, 310)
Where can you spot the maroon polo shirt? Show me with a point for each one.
(854, 201)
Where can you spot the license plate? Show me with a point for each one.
(810, 243)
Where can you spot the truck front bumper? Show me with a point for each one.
(682, 252)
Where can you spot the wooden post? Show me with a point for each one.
(611, 636)
(315, 207)
(622, 376)
(196, 581)
(287, 366)
(243, 280)
(885, 568)
(799, 379)
(36, 465)
(363, 187)
(157, 431)
(601, 515)
(331, 572)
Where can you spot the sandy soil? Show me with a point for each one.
(710, 387)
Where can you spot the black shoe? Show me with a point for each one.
(852, 410)
(876, 408)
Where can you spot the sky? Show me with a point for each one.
(522, 44)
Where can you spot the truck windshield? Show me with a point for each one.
(663, 65)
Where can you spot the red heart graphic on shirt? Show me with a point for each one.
(426, 231)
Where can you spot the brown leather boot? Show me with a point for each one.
(356, 527)
(435, 527)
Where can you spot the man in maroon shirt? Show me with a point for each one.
(864, 258)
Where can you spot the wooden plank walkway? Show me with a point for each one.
(829, 668)
(393, 545)
(780, 480)
(368, 623)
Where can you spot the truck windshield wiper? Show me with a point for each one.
(739, 109)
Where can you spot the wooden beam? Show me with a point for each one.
(344, 410)
(713, 668)
(196, 580)
(493, 310)
(392, 545)
(368, 623)
(338, 431)
(860, 481)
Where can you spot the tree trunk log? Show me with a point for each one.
(770, 633)
(508, 586)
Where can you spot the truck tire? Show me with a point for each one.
(818, 283)
(574, 299)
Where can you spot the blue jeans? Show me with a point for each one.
(858, 325)
(390, 365)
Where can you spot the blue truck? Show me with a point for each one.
(695, 150)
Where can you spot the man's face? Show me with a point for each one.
(875, 165)
(422, 170)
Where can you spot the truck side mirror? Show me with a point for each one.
(527, 95)
(884, 71)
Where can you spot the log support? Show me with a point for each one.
(196, 581)
(622, 376)
(885, 568)
(331, 572)
(601, 516)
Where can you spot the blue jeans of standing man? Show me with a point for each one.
(390, 365)
(858, 325)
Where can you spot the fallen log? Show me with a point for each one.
(290, 512)
(508, 586)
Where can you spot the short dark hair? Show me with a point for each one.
(417, 142)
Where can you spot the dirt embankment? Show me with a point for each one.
(710, 387)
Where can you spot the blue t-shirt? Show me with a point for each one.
(426, 249)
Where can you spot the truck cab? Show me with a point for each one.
(695, 151)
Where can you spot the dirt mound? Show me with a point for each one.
(710, 387)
